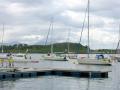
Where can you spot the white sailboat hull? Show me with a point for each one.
(91, 61)
(95, 61)
(54, 58)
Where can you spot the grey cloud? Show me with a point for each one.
(35, 20)
(105, 8)
(29, 2)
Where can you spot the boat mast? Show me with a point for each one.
(2, 39)
(68, 40)
(48, 34)
(119, 37)
(88, 29)
(49, 30)
(118, 42)
(51, 35)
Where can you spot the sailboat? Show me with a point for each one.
(69, 54)
(52, 55)
(88, 60)
(20, 56)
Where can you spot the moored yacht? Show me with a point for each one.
(54, 57)
(87, 60)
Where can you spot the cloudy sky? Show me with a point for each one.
(28, 21)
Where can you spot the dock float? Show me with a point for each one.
(35, 72)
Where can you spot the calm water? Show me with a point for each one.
(61, 82)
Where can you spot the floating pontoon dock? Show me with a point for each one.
(10, 73)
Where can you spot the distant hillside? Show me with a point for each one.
(57, 47)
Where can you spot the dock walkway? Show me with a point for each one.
(82, 71)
